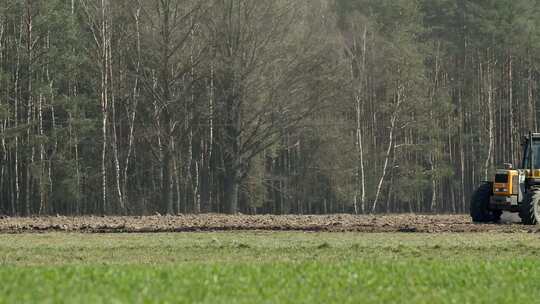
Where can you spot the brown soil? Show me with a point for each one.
(213, 222)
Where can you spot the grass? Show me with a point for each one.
(253, 267)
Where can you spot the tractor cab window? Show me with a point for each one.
(536, 154)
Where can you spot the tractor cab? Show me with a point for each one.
(531, 157)
(513, 190)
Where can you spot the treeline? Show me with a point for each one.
(283, 106)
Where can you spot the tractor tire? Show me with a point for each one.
(530, 209)
(480, 212)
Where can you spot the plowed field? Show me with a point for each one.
(213, 222)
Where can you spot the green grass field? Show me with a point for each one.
(254, 267)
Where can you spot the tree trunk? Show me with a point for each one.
(530, 98)
(489, 158)
(511, 108)
(104, 100)
(29, 105)
(231, 186)
(115, 144)
(432, 156)
(393, 121)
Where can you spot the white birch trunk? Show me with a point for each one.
(15, 202)
(115, 145)
(489, 158)
(511, 107)
(432, 157)
(131, 114)
(30, 103)
(393, 121)
(41, 157)
(104, 102)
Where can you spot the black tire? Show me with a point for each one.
(530, 209)
(480, 212)
(496, 215)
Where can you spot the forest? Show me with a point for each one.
(137, 107)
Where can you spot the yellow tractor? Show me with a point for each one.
(514, 190)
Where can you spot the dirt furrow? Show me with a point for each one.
(408, 223)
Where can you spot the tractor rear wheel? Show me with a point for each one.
(480, 212)
(530, 209)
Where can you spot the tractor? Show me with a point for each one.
(514, 190)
